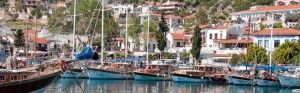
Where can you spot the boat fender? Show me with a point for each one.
(201, 77)
(62, 65)
(157, 74)
(190, 75)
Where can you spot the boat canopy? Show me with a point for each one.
(237, 65)
(86, 53)
(129, 59)
(272, 68)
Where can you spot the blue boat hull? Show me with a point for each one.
(104, 74)
(149, 77)
(267, 83)
(239, 80)
(73, 74)
(191, 79)
(287, 81)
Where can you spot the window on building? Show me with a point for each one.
(294, 40)
(260, 42)
(266, 43)
(286, 40)
(221, 35)
(154, 46)
(216, 36)
(210, 36)
(177, 44)
(276, 43)
(183, 44)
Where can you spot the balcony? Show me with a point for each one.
(231, 51)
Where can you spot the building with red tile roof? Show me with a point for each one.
(280, 35)
(263, 14)
(32, 37)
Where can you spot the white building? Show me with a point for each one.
(280, 35)
(121, 9)
(179, 41)
(170, 7)
(173, 22)
(260, 14)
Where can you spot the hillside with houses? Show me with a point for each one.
(230, 29)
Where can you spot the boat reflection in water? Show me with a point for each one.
(67, 85)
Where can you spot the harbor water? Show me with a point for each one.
(65, 85)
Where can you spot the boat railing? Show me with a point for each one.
(29, 75)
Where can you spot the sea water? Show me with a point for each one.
(64, 85)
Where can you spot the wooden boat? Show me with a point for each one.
(240, 77)
(265, 78)
(154, 72)
(292, 80)
(199, 74)
(111, 71)
(15, 81)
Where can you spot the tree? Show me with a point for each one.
(285, 52)
(262, 26)
(110, 29)
(163, 27)
(196, 44)
(297, 26)
(256, 55)
(84, 11)
(3, 3)
(201, 16)
(160, 35)
(57, 22)
(152, 29)
(19, 39)
(38, 11)
(277, 25)
(237, 59)
(296, 59)
(185, 55)
(134, 28)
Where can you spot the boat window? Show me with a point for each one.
(15, 77)
(1, 77)
(24, 76)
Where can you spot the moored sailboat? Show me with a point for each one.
(240, 76)
(198, 74)
(111, 71)
(292, 80)
(156, 71)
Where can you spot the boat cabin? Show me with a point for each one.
(9, 77)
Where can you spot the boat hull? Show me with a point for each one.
(105, 74)
(267, 82)
(239, 80)
(29, 85)
(192, 79)
(149, 77)
(287, 81)
(74, 74)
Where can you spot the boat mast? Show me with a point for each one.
(126, 36)
(74, 27)
(271, 39)
(147, 63)
(35, 39)
(102, 32)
